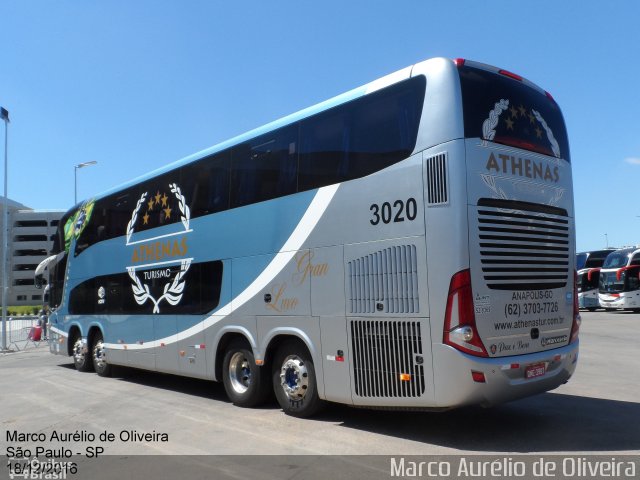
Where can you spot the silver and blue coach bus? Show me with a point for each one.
(407, 244)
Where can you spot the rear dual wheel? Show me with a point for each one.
(81, 357)
(294, 380)
(91, 357)
(99, 357)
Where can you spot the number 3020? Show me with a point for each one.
(398, 212)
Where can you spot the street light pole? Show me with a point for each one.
(4, 115)
(75, 178)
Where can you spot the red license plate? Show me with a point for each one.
(535, 370)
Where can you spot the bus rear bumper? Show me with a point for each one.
(460, 382)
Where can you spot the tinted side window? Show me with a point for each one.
(385, 127)
(265, 167)
(325, 145)
(207, 182)
(116, 294)
(361, 137)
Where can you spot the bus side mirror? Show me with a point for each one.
(38, 281)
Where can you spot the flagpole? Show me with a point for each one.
(4, 114)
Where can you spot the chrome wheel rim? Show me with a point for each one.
(240, 373)
(78, 351)
(294, 378)
(99, 355)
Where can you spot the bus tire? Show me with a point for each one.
(295, 381)
(246, 384)
(98, 356)
(81, 358)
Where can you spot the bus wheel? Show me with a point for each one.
(294, 380)
(81, 359)
(99, 357)
(246, 384)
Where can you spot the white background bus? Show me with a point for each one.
(619, 285)
(588, 265)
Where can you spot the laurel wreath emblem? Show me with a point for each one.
(173, 289)
(489, 125)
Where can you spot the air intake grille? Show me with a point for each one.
(436, 174)
(382, 352)
(523, 246)
(385, 281)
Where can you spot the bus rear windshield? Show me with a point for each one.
(503, 110)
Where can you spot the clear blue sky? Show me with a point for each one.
(138, 84)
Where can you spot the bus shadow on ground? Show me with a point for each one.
(549, 422)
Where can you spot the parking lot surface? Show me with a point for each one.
(597, 412)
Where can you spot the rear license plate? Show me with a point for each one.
(535, 370)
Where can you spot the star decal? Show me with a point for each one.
(509, 124)
(167, 212)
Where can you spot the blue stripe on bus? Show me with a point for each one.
(257, 231)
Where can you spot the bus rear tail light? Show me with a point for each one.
(460, 330)
(577, 320)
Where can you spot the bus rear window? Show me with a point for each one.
(503, 110)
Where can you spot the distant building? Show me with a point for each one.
(30, 238)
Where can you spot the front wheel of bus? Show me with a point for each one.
(246, 384)
(99, 357)
(294, 380)
(81, 359)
